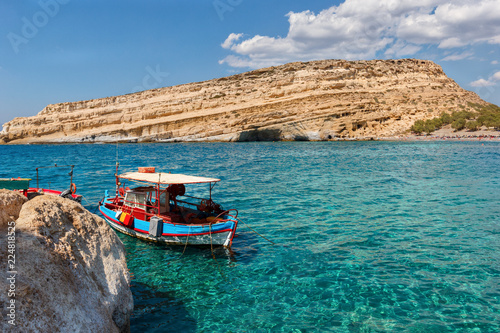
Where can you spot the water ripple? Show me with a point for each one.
(372, 236)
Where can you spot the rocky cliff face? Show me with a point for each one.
(316, 100)
(71, 269)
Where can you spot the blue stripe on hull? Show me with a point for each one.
(216, 234)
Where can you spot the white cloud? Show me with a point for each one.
(451, 42)
(365, 29)
(482, 83)
(463, 22)
(230, 40)
(494, 62)
(492, 81)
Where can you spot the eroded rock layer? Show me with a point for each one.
(70, 273)
(317, 100)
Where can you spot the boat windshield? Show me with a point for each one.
(135, 199)
(138, 197)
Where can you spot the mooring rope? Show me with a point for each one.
(239, 220)
(185, 247)
(213, 254)
(88, 203)
(270, 241)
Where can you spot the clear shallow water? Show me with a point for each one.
(371, 236)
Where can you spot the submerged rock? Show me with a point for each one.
(71, 270)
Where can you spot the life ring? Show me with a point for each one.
(72, 188)
(122, 191)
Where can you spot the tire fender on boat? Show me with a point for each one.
(65, 193)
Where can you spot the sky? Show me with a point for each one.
(54, 51)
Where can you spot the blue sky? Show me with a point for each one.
(55, 51)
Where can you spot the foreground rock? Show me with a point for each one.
(10, 206)
(71, 270)
(317, 100)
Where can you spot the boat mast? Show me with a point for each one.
(158, 195)
(71, 176)
(117, 179)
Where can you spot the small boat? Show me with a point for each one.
(22, 185)
(159, 209)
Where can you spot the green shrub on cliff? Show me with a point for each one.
(458, 115)
(428, 126)
(458, 124)
(446, 118)
(418, 127)
(472, 125)
(490, 117)
(483, 115)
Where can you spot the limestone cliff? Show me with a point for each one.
(317, 100)
(71, 270)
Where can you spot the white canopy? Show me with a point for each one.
(166, 178)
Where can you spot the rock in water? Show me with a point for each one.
(71, 271)
(10, 206)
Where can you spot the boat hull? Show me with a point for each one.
(217, 234)
(222, 238)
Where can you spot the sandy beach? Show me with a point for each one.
(448, 133)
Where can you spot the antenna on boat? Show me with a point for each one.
(116, 149)
(116, 172)
(116, 176)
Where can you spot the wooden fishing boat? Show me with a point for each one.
(159, 209)
(22, 185)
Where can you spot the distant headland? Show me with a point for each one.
(300, 101)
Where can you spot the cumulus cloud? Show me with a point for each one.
(230, 40)
(482, 83)
(492, 81)
(365, 29)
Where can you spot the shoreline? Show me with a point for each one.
(380, 139)
(439, 135)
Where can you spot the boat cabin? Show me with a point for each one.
(163, 195)
(141, 202)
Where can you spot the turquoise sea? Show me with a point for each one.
(370, 236)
